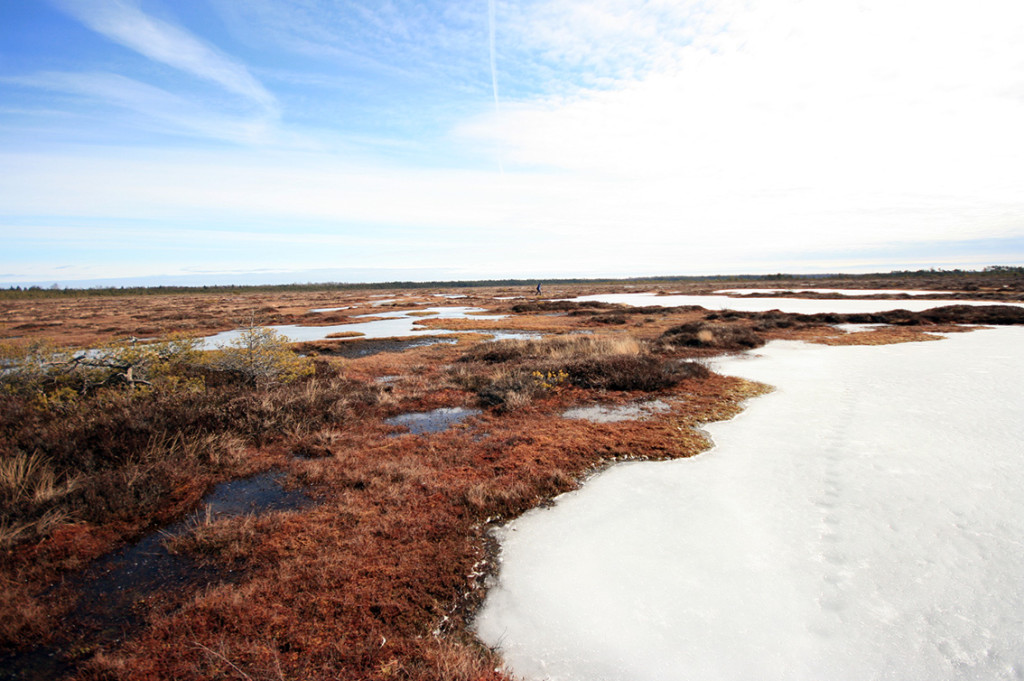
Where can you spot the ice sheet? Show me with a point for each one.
(796, 305)
(864, 521)
(599, 413)
(837, 291)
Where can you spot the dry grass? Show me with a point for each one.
(380, 577)
(555, 348)
(884, 336)
(29, 478)
(30, 485)
(226, 541)
(120, 461)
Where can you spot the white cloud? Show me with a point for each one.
(554, 220)
(125, 23)
(600, 40)
(783, 124)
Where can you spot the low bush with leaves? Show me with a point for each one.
(260, 356)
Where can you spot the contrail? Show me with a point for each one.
(494, 73)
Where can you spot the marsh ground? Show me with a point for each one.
(379, 575)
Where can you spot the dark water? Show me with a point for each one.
(112, 589)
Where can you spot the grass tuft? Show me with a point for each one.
(222, 540)
(553, 349)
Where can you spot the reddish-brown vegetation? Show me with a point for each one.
(377, 580)
(379, 577)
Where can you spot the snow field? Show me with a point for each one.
(795, 305)
(863, 521)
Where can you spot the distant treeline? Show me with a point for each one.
(17, 292)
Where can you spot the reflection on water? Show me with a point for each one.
(384, 325)
(433, 421)
(356, 348)
(318, 310)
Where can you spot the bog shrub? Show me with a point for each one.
(718, 336)
(510, 390)
(622, 372)
(260, 356)
(55, 374)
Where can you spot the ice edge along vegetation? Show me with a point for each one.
(863, 521)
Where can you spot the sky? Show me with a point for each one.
(272, 141)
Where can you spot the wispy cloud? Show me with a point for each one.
(400, 38)
(125, 23)
(157, 108)
(558, 46)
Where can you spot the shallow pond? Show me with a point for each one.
(384, 325)
(433, 421)
(357, 347)
(319, 310)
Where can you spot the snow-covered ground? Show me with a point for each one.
(837, 291)
(795, 305)
(863, 521)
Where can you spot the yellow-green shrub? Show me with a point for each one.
(260, 356)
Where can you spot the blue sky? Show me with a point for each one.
(295, 140)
